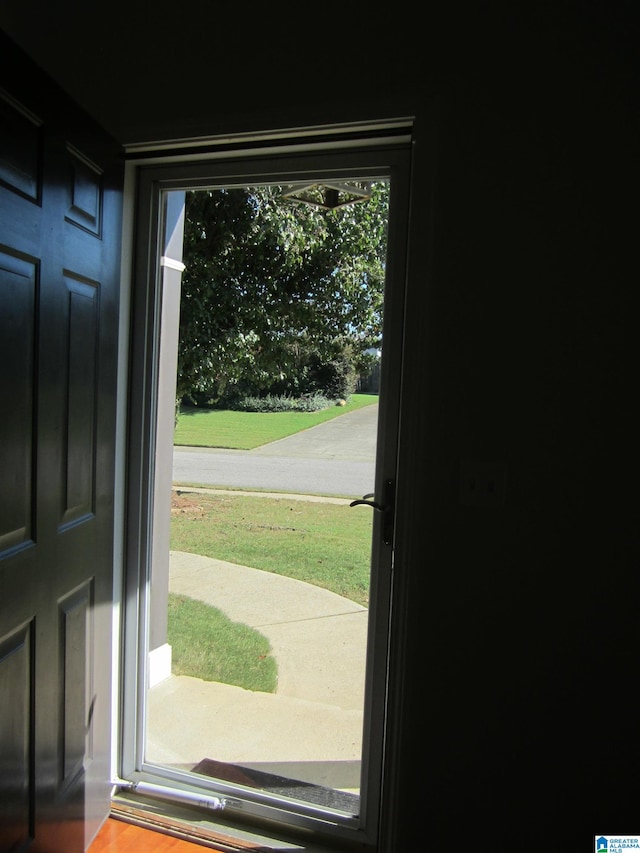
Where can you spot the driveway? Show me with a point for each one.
(333, 458)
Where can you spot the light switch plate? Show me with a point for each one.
(482, 483)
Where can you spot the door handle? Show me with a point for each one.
(364, 500)
(387, 508)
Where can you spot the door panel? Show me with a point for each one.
(18, 298)
(60, 230)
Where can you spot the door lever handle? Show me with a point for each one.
(387, 508)
(363, 500)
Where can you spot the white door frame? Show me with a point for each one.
(365, 154)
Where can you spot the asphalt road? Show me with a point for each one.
(334, 458)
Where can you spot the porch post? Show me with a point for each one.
(171, 271)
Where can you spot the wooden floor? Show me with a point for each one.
(116, 836)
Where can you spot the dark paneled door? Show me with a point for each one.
(60, 228)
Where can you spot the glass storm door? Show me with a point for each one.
(262, 574)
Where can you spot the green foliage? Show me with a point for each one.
(278, 297)
(270, 403)
(337, 376)
(331, 373)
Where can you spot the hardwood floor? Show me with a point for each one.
(116, 836)
(130, 830)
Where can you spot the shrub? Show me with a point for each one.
(276, 403)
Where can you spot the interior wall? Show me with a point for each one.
(522, 627)
(150, 71)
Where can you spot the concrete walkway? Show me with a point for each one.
(311, 728)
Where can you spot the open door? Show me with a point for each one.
(60, 232)
(290, 788)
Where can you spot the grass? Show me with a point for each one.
(248, 430)
(205, 642)
(322, 543)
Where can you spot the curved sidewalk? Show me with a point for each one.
(311, 728)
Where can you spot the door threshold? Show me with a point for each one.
(152, 820)
(197, 827)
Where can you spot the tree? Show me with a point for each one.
(271, 288)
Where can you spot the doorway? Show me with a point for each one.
(304, 793)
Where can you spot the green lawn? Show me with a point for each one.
(247, 430)
(321, 543)
(318, 542)
(206, 644)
